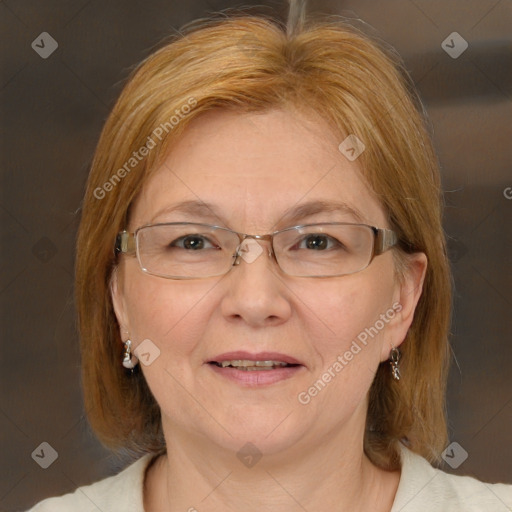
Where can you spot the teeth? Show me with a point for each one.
(245, 364)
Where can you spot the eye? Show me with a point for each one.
(318, 242)
(193, 242)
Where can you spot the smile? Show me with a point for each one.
(253, 370)
(247, 365)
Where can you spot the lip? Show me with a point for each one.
(256, 378)
(259, 356)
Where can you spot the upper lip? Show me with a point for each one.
(259, 356)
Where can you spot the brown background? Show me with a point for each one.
(52, 113)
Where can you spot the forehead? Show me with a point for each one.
(250, 171)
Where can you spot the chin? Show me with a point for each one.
(270, 432)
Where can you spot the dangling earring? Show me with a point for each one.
(394, 356)
(129, 361)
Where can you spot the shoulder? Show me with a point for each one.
(121, 492)
(423, 488)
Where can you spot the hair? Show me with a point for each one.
(249, 63)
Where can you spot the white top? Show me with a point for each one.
(422, 488)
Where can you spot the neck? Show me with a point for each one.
(197, 475)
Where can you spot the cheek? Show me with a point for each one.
(343, 316)
(342, 312)
(344, 331)
(167, 312)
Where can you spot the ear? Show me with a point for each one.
(407, 294)
(118, 302)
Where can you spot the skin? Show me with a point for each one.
(254, 168)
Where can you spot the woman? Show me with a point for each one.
(262, 282)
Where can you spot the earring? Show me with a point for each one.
(129, 361)
(394, 355)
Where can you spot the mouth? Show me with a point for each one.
(254, 370)
(251, 366)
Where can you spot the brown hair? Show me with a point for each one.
(249, 63)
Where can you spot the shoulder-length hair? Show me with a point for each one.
(248, 64)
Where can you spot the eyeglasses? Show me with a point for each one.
(186, 250)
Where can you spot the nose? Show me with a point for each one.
(256, 293)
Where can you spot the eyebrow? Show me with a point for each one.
(295, 214)
(195, 208)
(316, 207)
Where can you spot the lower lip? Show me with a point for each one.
(255, 378)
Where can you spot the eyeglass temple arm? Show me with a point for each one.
(385, 240)
(125, 243)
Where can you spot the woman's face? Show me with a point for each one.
(254, 171)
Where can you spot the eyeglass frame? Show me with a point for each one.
(126, 243)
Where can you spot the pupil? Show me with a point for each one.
(193, 243)
(317, 242)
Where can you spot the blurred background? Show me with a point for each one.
(55, 97)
